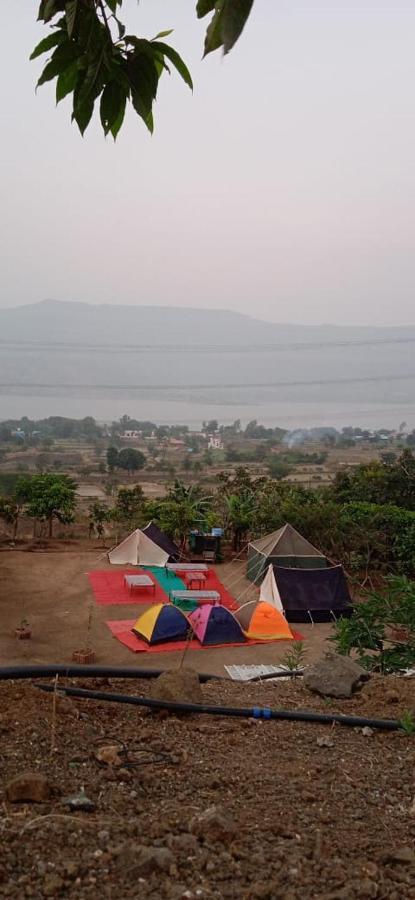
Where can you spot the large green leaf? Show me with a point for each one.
(51, 70)
(82, 111)
(49, 8)
(93, 79)
(176, 59)
(113, 5)
(144, 77)
(213, 39)
(56, 37)
(112, 102)
(234, 17)
(141, 109)
(71, 8)
(66, 81)
(227, 24)
(63, 56)
(203, 7)
(116, 125)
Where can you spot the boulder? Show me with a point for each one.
(404, 856)
(29, 787)
(177, 686)
(109, 755)
(214, 824)
(335, 676)
(138, 859)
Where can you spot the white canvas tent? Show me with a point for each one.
(269, 591)
(138, 550)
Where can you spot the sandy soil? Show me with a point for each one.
(50, 589)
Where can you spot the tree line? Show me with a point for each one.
(365, 519)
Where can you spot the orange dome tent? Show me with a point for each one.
(262, 622)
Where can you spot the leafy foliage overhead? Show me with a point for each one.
(92, 58)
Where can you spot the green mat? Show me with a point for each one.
(169, 581)
(186, 606)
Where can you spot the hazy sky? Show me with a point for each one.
(283, 187)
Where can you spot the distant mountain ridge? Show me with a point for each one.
(83, 323)
(182, 364)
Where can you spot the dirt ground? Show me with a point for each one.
(50, 589)
(303, 811)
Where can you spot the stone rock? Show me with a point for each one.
(335, 676)
(392, 696)
(108, 755)
(66, 706)
(401, 856)
(214, 824)
(79, 801)
(367, 889)
(52, 885)
(71, 868)
(185, 843)
(325, 741)
(140, 860)
(29, 787)
(178, 685)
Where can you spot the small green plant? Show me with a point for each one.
(374, 631)
(294, 658)
(407, 723)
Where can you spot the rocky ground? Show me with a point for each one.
(299, 810)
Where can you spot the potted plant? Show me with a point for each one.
(24, 631)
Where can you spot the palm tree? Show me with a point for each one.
(183, 509)
(240, 513)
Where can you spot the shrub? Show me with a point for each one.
(370, 632)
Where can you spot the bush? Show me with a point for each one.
(370, 630)
(8, 481)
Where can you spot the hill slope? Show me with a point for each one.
(85, 323)
(206, 358)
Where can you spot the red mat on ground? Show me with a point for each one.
(109, 589)
(212, 583)
(121, 630)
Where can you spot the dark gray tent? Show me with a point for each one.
(285, 547)
(313, 595)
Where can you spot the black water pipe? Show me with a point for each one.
(77, 671)
(255, 712)
(93, 671)
(289, 673)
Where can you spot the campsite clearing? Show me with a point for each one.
(50, 589)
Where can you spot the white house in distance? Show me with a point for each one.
(215, 442)
(131, 435)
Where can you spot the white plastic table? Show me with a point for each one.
(139, 581)
(186, 567)
(210, 596)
